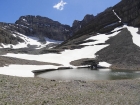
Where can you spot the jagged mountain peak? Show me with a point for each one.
(88, 17)
(80, 24)
(30, 19)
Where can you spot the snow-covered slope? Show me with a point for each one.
(29, 41)
(66, 56)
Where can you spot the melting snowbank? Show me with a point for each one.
(23, 70)
(104, 64)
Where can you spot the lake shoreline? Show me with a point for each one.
(37, 91)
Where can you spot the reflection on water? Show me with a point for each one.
(87, 74)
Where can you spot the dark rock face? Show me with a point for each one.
(128, 11)
(122, 53)
(76, 25)
(139, 31)
(87, 19)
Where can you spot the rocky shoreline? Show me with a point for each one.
(37, 91)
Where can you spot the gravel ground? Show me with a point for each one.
(37, 91)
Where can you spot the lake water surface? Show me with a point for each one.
(87, 74)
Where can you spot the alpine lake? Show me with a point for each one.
(88, 74)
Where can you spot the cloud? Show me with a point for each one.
(60, 5)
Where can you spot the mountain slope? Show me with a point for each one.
(39, 28)
(126, 10)
(122, 51)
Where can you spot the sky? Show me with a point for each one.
(63, 11)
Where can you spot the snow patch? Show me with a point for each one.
(117, 15)
(104, 64)
(135, 35)
(24, 20)
(14, 35)
(24, 26)
(52, 41)
(101, 38)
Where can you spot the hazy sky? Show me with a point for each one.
(64, 11)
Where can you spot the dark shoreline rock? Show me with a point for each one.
(48, 70)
